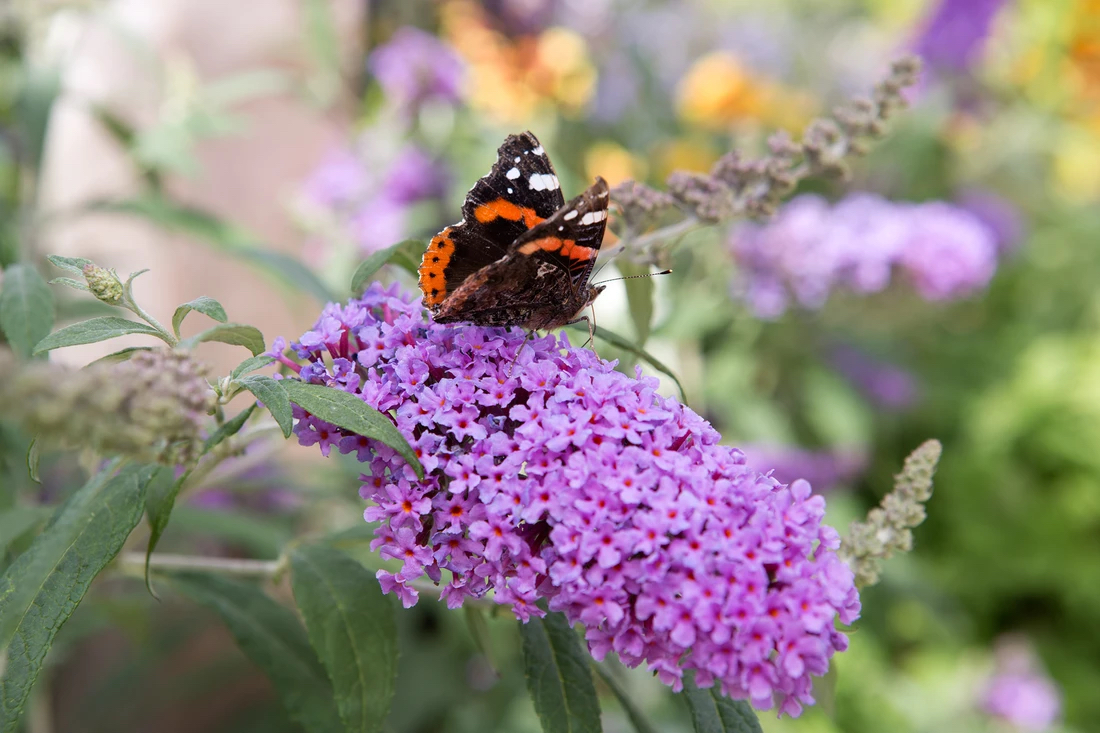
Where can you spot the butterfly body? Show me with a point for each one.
(521, 256)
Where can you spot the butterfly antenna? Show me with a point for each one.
(632, 277)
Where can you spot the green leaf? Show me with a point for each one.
(223, 236)
(14, 523)
(120, 355)
(74, 284)
(236, 334)
(401, 254)
(633, 712)
(639, 297)
(72, 264)
(558, 676)
(93, 331)
(272, 638)
(258, 535)
(229, 428)
(26, 308)
(627, 345)
(711, 712)
(352, 627)
(42, 588)
(479, 630)
(271, 393)
(351, 413)
(160, 498)
(33, 457)
(202, 304)
(251, 364)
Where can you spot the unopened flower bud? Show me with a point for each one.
(103, 283)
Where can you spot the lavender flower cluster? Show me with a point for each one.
(548, 475)
(812, 248)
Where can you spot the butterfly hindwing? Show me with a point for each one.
(518, 193)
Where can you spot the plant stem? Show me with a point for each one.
(671, 231)
(133, 563)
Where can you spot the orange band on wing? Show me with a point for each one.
(505, 209)
(436, 257)
(564, 247)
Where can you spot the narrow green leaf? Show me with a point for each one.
(42, 588)
(633, 712)
(558, 676)
(639, 297)
(26, 308)
(223, 236)
(251, 364)
(72, 264)
(229, 428)
(160, 498)
(627, 345)
(14, 523)
(400, 254)
(120, 355)
(93, 331)
(74, 284)
(352, 627)
(479, 631)
(712, 712)
(236, 334)
(202, 304)
(351, 413)
(33, 457)
(272, 638)
(271, 393)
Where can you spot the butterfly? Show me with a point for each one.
(521, 256)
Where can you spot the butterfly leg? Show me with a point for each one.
(530, 335)
(591, 329)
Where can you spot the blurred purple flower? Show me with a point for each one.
(824, 470)
(521, 17)
(997, 213)
(415, 67)
(885, 384)
(550, 476)
(811, 248)
(955, 33)
(370, 203)
(1019, 692)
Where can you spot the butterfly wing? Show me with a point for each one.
(519, 192)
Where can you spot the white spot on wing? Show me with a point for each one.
(512, 174)
(517, 158)
(509, 190)
(593, 217)
(543, 182)
(571, 215)
(539, 151)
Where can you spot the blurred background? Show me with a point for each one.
(255, 152)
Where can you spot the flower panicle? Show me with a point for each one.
(887, 528)
(551, 477)
(754, 187)
(150, 407)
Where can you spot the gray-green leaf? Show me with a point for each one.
(403, 254)
(26, 308)
(236, 334)
(93, 331)
(272, 638)
(42, 588)
(351, 413)
(352, 628)
(251, 364)
(14, 523)
(712, 712)
(271, 393)
(202, 304)
(160, 498)
(633, 713)
(639, 298)
(72, 264)
(70, 282)
(558, 676)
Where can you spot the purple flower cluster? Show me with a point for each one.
(956, 32)
(548, 475)
(415, 67)
(368, 202)
(812, 247)
(824, 469)
(1019, 691)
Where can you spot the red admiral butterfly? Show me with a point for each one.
(521, 256)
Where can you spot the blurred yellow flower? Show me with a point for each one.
(613, 162)
(1077, 164)
(683, 154)
(516, 80)
(718, 91)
